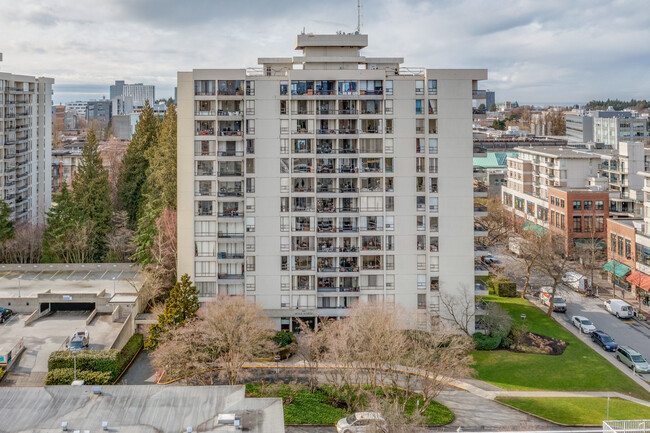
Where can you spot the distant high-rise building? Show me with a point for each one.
(99, 110)
(138, 92)
(26, 145)
(489, 99)
(78, 106)
(324, 179)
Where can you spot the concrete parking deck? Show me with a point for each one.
(47, 335)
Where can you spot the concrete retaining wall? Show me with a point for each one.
(127, 331)
(91, 316)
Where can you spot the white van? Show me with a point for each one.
(619, 308)
(559, 304)
(576, 281)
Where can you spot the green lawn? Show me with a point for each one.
(304, 407)
(577, 369)
(584, 410)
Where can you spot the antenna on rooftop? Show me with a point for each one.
(358, 16)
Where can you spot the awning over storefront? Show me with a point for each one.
(640, 280)
(587, 243)
(617, 268)
(527, 225)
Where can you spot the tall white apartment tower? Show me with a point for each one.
(315, 181)
(26, 145)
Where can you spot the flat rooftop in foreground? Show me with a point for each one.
(68, 279)
(141, 409)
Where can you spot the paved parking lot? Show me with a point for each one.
(47, 335)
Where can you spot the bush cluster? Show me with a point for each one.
(105, 363)
(486, 342)
(504, 288)
(65, 376)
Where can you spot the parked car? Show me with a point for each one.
(362, 422)
(5, 314)
(559, 305)
(79, 340)
(491, 260)
(583, 324)
(632, 359)
(604, 340)
(619, 308)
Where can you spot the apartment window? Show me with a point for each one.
(433, 106)
(390, 243)
(419, 165)
(422, 281)
(422, 301)
(250, 165)
(250, 244)
(588, 224)
(577, 224)
(432, 87)
(562, 203)
(612, 242)
(388, 105)
(433, 204)
(577, 205)
(283, 107)
(553, 200)
(390, 204)
(600, 205)
(419, 87)
(620, 245)
(389, 87)
(390, 262)
(250, 263)
(420, 222)
(588, 205)
(562, 225)
(433, 145)
(600, 223)
(250, 106)
(628, 249)
(418, 106)
(390, 223)
(250, 87)
(204, 87)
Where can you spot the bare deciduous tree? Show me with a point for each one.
(498, 223)
(311, 349)
(530, 247)
(25, 246)
(460, 308)
(554, 263)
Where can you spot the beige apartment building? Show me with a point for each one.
(316, 181)
(26, 145)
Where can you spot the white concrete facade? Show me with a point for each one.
(308, 189)
(26, 145)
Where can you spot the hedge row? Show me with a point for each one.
(65, 376)
(111, 362)
(504, 288)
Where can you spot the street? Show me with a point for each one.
(625, 332)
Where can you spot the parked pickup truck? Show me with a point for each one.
(559, 305)
(79, 340)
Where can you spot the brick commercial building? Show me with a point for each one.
(578, 215)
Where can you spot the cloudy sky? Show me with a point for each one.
(550, 51)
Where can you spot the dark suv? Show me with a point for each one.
(5, 314)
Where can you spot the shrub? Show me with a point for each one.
(504, 288)
(485, 342)
(111, 361)
(284, 338)
(65, 376)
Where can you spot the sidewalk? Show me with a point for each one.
(606, 291)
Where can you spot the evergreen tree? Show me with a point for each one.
(135, 164)
(7, 228)
(91, 192)
(161, 178)
(146, 233)
(182, 305)
(66, 232)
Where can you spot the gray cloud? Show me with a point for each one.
(550, 51)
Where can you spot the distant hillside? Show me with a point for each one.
(619, 105)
